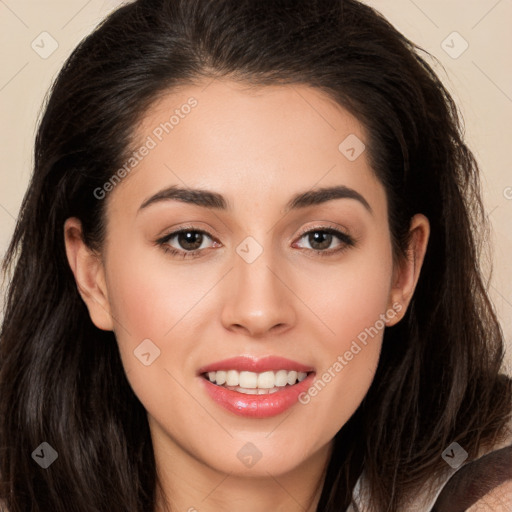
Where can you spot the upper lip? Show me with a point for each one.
(256, 365)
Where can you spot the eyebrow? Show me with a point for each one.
(209, 199)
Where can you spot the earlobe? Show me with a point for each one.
(406, 275)
(89, 273)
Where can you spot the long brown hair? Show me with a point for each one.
(61, 378)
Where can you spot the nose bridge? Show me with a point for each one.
(260, 300)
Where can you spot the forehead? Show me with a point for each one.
(247, 142)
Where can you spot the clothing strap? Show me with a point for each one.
(474, 480)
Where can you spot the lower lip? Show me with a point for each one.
(257, 406)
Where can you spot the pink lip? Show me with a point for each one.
(264, 364)
(256, 406)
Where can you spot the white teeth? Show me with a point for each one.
(256, 383)
(232, 378)
(266, 380)
(247, 391)
(281, 378)
(256, 391)
(292, 378)
(218, 377)
(248, 380)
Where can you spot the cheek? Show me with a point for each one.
(147, 296)
(352, 295)
(354, 305)
(147, 304)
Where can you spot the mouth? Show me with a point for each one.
(251, 383)
(256, 388)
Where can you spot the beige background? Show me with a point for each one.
(480, 79)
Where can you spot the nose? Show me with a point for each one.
(260, 299)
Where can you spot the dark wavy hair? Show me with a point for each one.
(61, 378)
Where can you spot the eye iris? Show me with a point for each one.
(190, 240)
(320, 237)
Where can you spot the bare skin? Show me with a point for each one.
(258, 148)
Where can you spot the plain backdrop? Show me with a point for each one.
(471, 38)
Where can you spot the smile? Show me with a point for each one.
(251, 383)
(256, 388)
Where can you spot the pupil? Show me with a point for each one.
(320, 237)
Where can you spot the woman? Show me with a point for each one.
(245, 275)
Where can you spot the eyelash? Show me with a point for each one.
(347, 242)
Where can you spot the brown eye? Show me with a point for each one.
(185, 242)
(189, 240)
(320, 240)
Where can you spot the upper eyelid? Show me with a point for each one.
(327, 227)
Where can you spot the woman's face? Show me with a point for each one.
(272, 292)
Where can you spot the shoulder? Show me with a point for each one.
(481, 485)
(484, 484)
(498, 499)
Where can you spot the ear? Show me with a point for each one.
(407, 273)
(89, 274)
